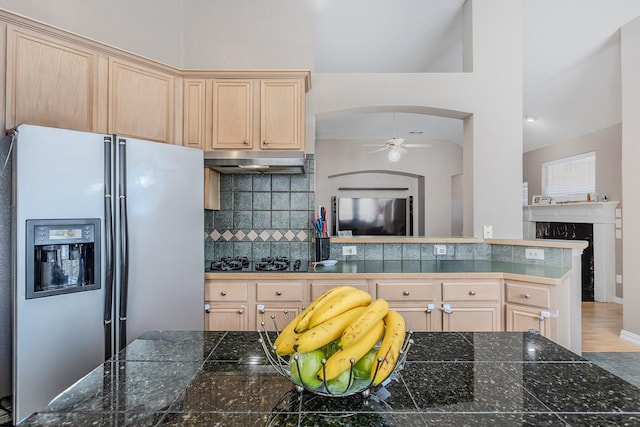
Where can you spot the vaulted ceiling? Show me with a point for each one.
(571, 62)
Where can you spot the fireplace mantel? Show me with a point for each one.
(603, 217)
(588, 212)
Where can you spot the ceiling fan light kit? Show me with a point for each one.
(394, 155)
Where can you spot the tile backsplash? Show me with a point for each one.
(262, 215)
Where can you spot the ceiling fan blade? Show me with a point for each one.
(418, 145)
(372, 145)
(378, 150)
(402, 150)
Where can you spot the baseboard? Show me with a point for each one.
(630, 336)
(618, 300)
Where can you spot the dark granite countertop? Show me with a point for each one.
(222, 378)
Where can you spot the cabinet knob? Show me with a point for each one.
(406, 293)
(541, 318)
(265, 142)
(278, 293)
(241, 310)
(472, 293)
(223, 293)
(527, 296)
(245, 142)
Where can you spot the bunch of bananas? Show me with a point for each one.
(341, 325)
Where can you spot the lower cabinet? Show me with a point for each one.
(530, 306)
(277, 303)
(225, 305)
(318, 287)
(473, 305)
(415, 300)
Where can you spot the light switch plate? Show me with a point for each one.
(439, 249)
(349, 250)
(488, 231)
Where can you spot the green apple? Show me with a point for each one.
(339, 384)
(362, 368)
(308, 364)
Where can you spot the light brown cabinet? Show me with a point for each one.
(472, 305)
(415, 300)
(141, 101)
(530, 306)
(194, 115)
(277, 303)
(226, 305)
(318, 287)
(50, 82)
(258, 114)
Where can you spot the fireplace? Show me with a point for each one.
(574, 231)
(574, 219)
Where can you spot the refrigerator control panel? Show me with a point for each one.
(63, 256)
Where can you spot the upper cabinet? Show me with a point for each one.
(258, 110)
(141, 101)
(50, 82)
(59, 79)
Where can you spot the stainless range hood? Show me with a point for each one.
(274, 162)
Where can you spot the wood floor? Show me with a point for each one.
(601, 325)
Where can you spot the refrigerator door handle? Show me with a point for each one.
(109, 249)
(124, 243)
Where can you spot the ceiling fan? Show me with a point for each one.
(396, 146)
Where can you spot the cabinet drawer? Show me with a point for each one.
(471, 291)
(526, 294)
(398, 291)
(225, 291)
(279, 291)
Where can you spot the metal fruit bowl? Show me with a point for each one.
(285, 364)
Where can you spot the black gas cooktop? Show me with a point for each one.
(244, 264)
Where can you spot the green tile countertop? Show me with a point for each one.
(412, 269)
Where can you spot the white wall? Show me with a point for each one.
(151, 28)
(630, 56)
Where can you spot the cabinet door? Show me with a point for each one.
(418, 319)
(282, 115)
(194, 113)
(275, 316)
(520, 318)
(227, 317)
(232, 114)
(140, 102)
(471, 318)
(49, 82)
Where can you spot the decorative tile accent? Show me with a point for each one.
(264, 235)
(252, 235)
(215, 235)
(240, 235)
(289, 235)
(302, 236)
(227, 235)
(276, 235)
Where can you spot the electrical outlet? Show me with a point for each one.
(530, 253)
(439, 249)
(618, 278)
(349, 250)
(488, 231)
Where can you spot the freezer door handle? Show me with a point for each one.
(124, 242)
(109, 248)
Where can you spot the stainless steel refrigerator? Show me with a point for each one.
(107, 244)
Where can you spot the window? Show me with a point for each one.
(572, 177)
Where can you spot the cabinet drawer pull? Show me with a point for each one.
(527, 296)
(278, 293)
(223, 293)
(265, 142)
(472, 293)
(406, 293)
(245, 142)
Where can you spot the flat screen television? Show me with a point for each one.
(371, 216)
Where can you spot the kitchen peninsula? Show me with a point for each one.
(475, 287)
(196, 378)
